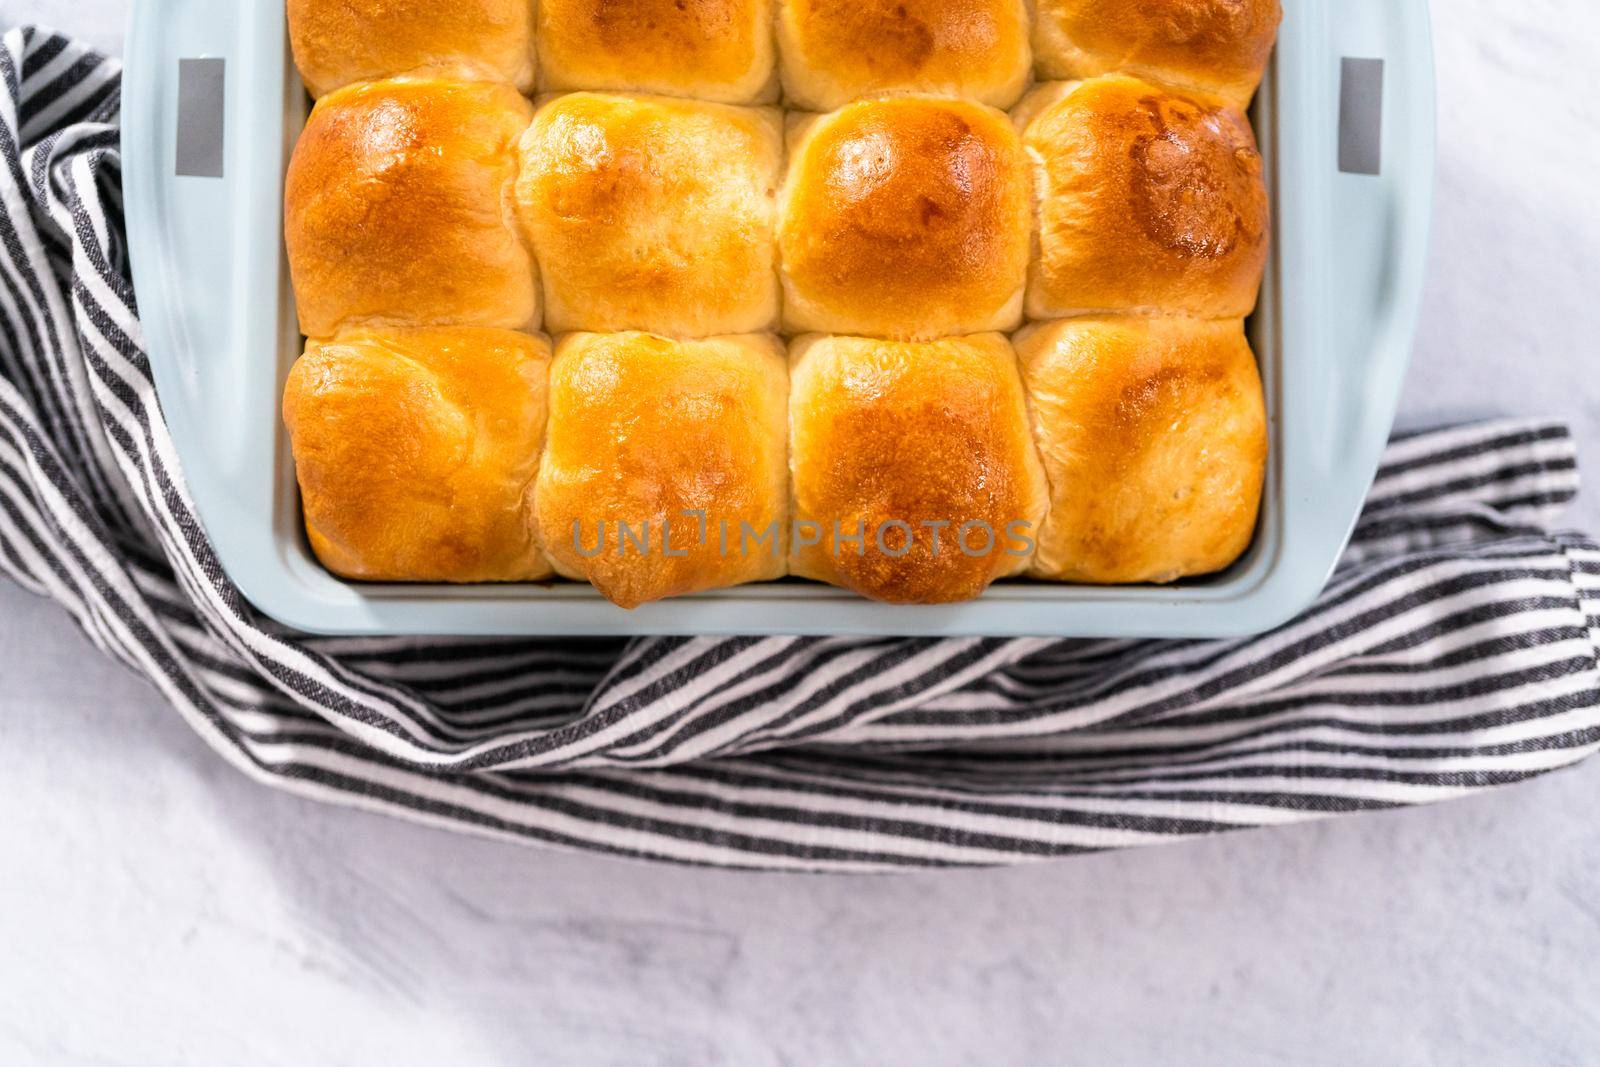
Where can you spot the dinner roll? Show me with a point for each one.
(395, 208)
(416, 452)
(1154, 437)
(905, 218)
(1149, 201)
(337, 42)
(665, 472)
(717, 50)
(834, 51)
(649, 213)
(915, 479)
(1218, 46)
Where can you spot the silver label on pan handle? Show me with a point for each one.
(1361, 117)
(202, 86)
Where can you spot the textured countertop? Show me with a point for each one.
(157, 907)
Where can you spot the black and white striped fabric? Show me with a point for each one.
(1455, 651)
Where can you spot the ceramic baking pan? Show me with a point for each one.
(212, 109)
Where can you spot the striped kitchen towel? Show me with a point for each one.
(1456, 649)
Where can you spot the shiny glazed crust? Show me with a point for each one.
(716, 50)
(683, 441)
(1149, 201)
(396, 208)
(338, 42)
(634, 227)
(1216, 46)
(665, 224)
(887, 433)
(905, 218)
(417, 451)
(835, 51)
(1153, 434)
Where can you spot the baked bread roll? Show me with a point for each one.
(905, 218)
(337, 42)
(1154, 438)
(920, 450)
(649, 213)
(717, 50)
(835, 51)
(395, 208)
(416, 451)
(1217, 46)
(1149, 201)
(665, 472)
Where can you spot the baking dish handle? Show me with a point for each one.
(204, 147)
(1354, 207)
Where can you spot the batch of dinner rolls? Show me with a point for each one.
(905, 296)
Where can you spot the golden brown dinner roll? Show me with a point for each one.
(1219, 46)
(905, 218)
(666, 471)
(1149, 201)
(1154, 437)
(718, 50)
(395, 210)
(915, 479)
(649, 213)
(337, 42)
(834, 51)
(416, 452)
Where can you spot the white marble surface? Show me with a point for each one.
(157, 908)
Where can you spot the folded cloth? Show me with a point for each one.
(1455, 650)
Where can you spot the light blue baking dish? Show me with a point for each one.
(1333, 334)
